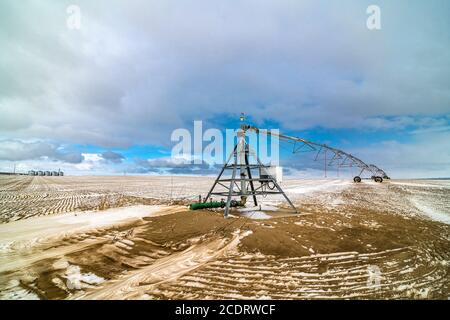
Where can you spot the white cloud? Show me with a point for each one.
(137, 70)
(16, 150)
(428, 155)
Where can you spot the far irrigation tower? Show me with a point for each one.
(242, 183)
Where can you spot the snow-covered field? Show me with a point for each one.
(132, 237)
(430, 198)
(23, 197)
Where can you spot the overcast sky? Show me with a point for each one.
(105, 98)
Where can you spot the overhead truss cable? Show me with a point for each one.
(339, 158)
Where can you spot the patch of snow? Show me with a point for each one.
(26, 233)
(5, 247)
(440, 184)
(18, 294)
(313, 187)
(337, 202)
(60, 264)
(431, 212)
(257, 215)
(13, 291)
(77, 280)
(127, 242)
(246, 234)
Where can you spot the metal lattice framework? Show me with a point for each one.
(331, 156)
(242, 182)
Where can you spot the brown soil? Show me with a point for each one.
(324, 252)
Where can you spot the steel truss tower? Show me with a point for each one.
(242, 183)
(338, 158)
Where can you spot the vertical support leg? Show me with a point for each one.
(241, 152)
(280, 190)
(230, 191)
(249, 173)
(284, 195)
(220, 174)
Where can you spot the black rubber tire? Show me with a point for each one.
(357, 179)
(378, 179)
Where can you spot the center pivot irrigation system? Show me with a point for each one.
(337, 158)
(243, 162)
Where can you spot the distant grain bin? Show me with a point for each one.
(58, 173)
